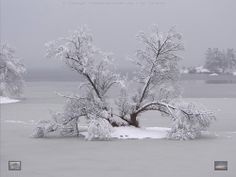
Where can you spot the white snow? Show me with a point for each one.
(136, 133)
(6, 100)
(140, 133)
(201, 69)
(213, 74)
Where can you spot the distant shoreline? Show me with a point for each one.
(66, 75)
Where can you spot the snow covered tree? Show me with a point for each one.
(230, 60)
(156, 77)
(11, 72)
(99, 129)
(95, 67)
(189, 119)
(155, 87)
(214, 58)
(219, 61)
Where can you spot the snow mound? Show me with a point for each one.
(140, 133)
(135, 133)
(6, 100)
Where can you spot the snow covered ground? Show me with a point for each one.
(6, 100)
(139, 133)
(136, 133)
(73, 156)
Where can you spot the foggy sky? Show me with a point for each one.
(27, 24)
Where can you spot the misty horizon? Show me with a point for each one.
(28, 25)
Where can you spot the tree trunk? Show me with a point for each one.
(76, 128)
(133, 120)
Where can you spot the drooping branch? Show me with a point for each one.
(158, 107)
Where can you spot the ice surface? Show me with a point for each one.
(74, 156)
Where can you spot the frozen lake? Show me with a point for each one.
(68, 157)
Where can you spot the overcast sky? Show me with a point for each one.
(27, 24)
